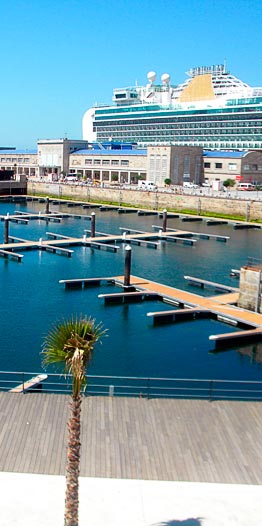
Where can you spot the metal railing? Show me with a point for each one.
(142, 387)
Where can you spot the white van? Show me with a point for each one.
(245, 186)
(71, 178)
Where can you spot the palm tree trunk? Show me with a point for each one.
(73, 463)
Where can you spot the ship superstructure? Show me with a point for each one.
(212, 109)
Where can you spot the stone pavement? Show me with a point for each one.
(32, 500)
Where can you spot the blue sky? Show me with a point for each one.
(59, 57)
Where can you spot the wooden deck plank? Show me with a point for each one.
(192, 440)
(213, 304)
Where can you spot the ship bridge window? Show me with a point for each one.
(120, 95)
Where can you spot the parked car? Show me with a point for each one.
(189, 184)
(147, 185)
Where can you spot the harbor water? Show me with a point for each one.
(32, 299)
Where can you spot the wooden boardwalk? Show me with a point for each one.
(132, 438)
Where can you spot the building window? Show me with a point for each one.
(187, 166)
(115, 162)
(207, 165)
(97, 161)
(88, 161)
(218, 165)
(198, 164)
(124, 163)
(176, 164)
(232, 166)
(246, 167)
(254, 167)
(105, 162)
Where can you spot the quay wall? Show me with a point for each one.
(249, 210)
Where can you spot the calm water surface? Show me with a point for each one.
(32, 299)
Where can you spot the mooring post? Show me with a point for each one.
(93, 224)
(164, 220)
(128, 250)
(199, 207)
(247, 211)
(47, 211)
(6, 234)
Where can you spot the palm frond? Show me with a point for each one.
(70, 345)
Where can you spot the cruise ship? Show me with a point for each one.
(212, 109)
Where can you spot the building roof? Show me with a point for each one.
(18, 152)
(110, 152)
(225, 155)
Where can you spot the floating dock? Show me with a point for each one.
(33, 383)
(191, 306)
(211, 284)
(86, 282)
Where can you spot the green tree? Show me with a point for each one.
(229, 183)
(167, 182)
(70, 345)
(114, 177)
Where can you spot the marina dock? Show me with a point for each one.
(106, 241)
(193, 306)
(33, 383)
(189, 306)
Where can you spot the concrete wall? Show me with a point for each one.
(13, 187)
(250, 289)
(249, 210)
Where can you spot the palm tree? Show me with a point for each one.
(70, 344)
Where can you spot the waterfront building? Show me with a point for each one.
(243, 166)
(54, 154)
(212, 109)
(125, 163)
(20, 162)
